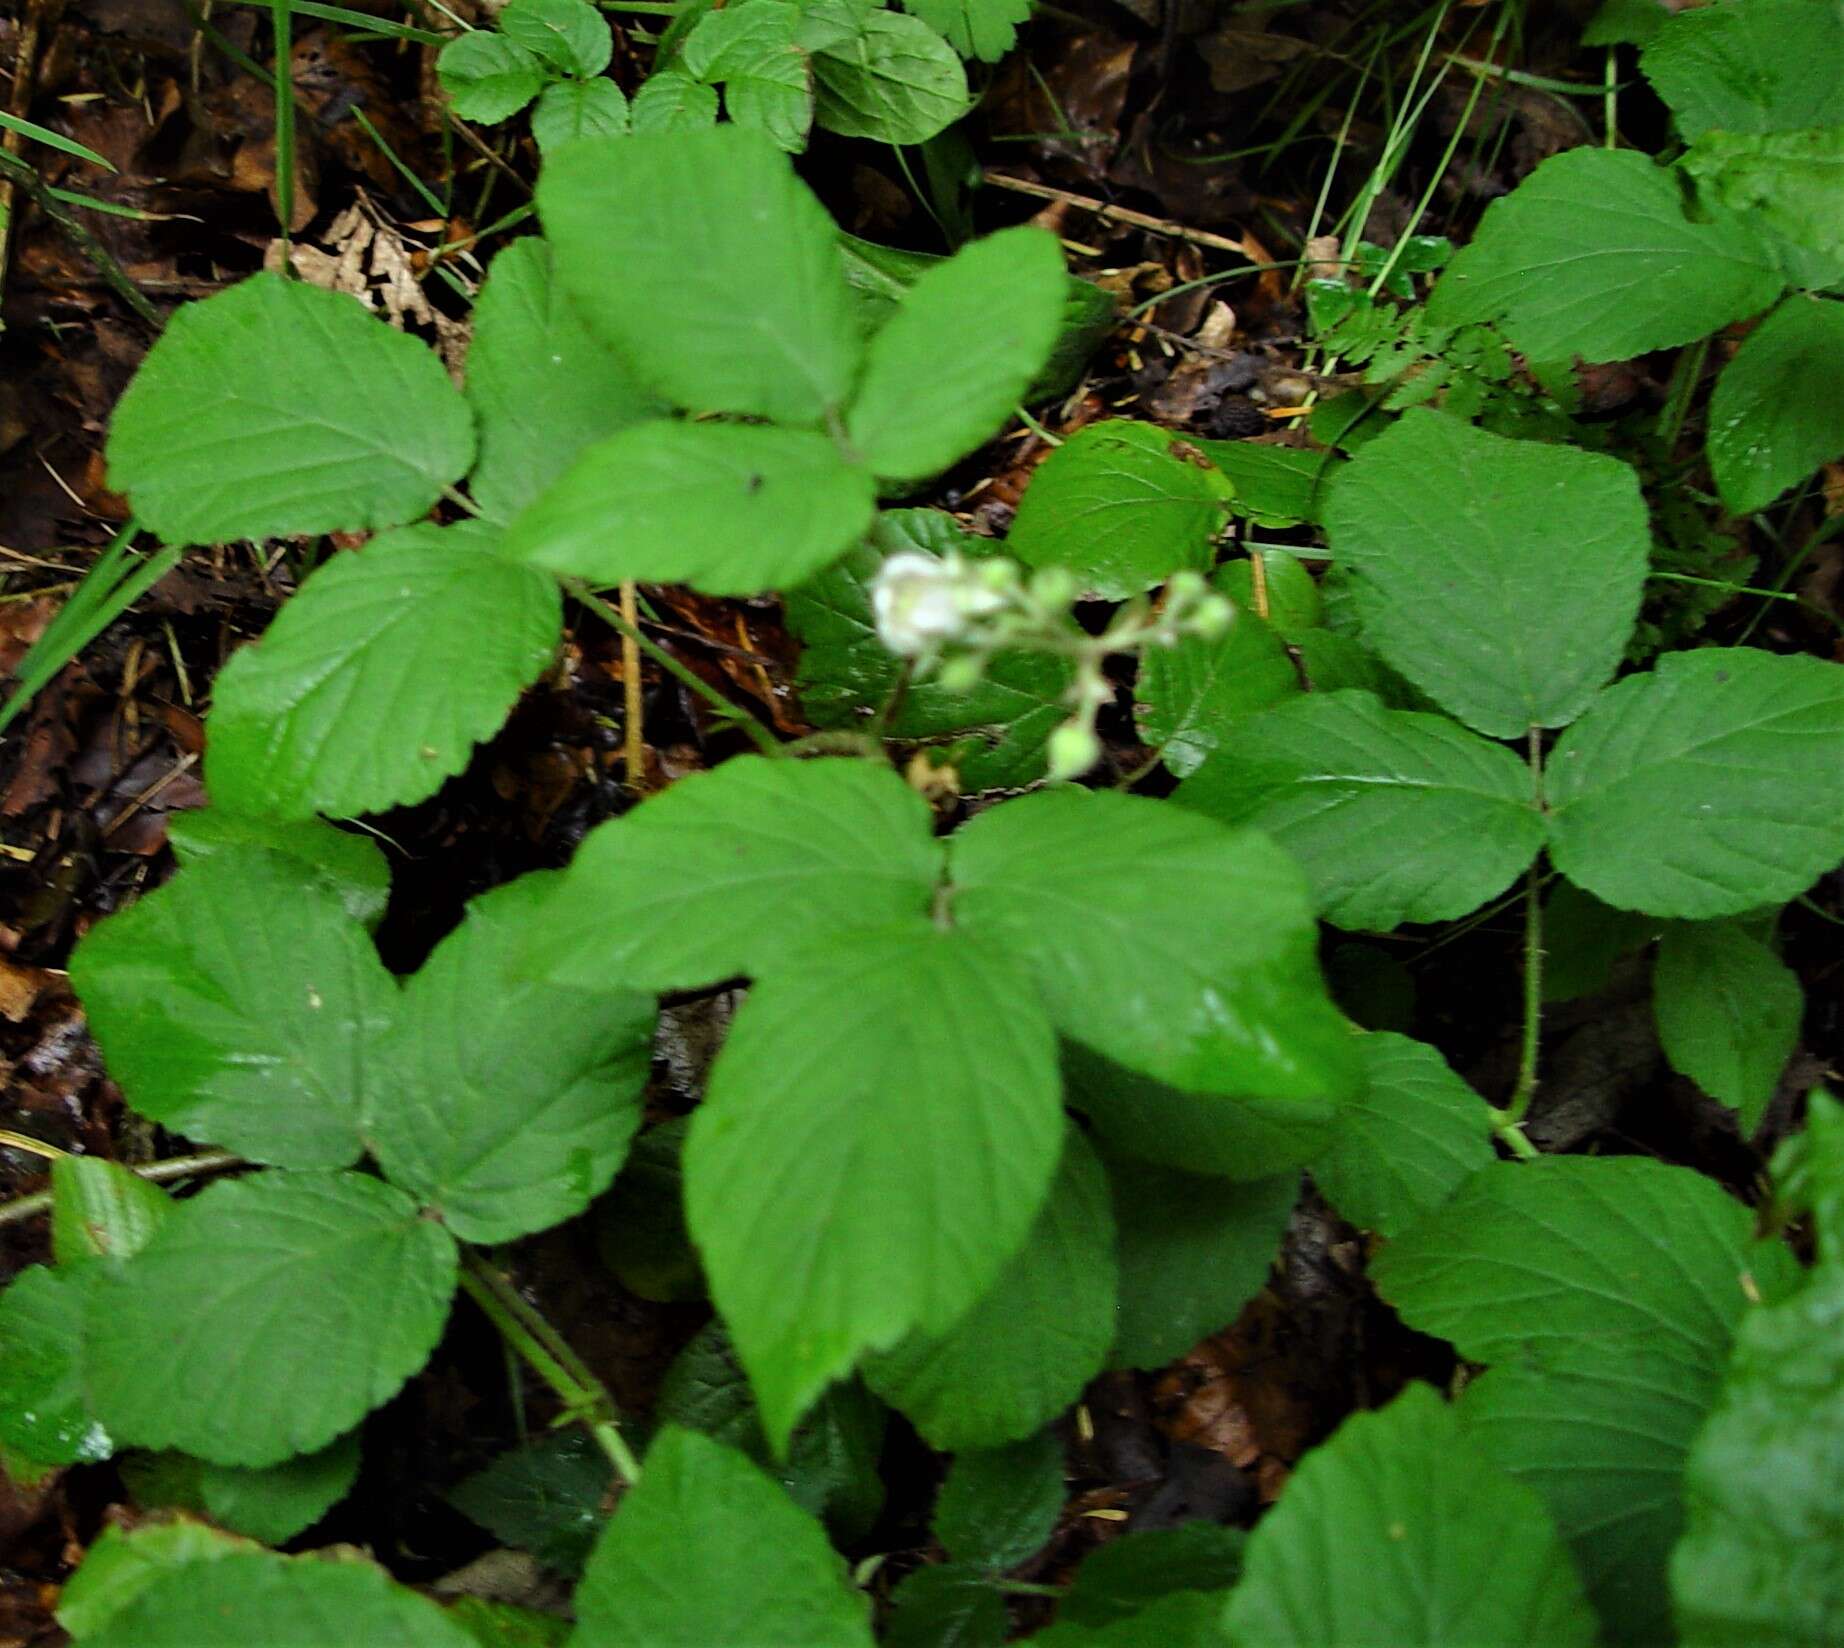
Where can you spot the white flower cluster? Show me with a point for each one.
(922, 604)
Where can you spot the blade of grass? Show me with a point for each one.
(283, 13)
(51, 139)
(377, 27)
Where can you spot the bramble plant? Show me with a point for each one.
(1008, 1104)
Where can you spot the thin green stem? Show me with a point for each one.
(765, 739)
(541, 1348)
(1509, 1121)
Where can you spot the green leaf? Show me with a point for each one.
(1767, 66)
(570, 35)
(267, 1317)
(1278, 485)
(1135, 1571)
(709, 266)
(541, 385)
(510, 1102)
(1038, 1334)
(879, 1132)
(695, 885)
(375, 682)
(1192, 696)
(1584, 939)
(768, 83)
(1771, 421)
(488, 76)
(504, 1625)
(1400, 1530)
(277, 1503)
(1728, 1013)
(1415, 1135)
(100, 1210)
(950, 1605)
(572, 109)
(1295, 607)
(1787, 182)
(640, 1225)
(1395, 816)
(1115, 506)
(1508, 591)
(1624, 23)
(1761, 1562)
(275, 408)
(120, 1565)
(43, 1413)
(243, 1598)
(1182, 1619)
(1237, 1138)
(731, 509)
(669, 100)
(1592, 255)
(998, 1505)
(239, 1004)
(549, 1498)
(353, 865)
(894, 80)
(707, 1550)
(1204, 974)
(999, 726)
(984, 29)
(925, 402)
(1711, 786)
(1193, 1252)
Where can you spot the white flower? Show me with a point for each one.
(921, 603)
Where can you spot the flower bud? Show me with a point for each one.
(1212, 617)
(1072, 750)
(916, 601)
(1054, 588)
(962, 672)
(1183, 587)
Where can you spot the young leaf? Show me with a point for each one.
(1767, 66)
(1508, 591)
(100, 1210)
(1653, 279)
(353, 865)
(1395, 816)
(998, 1505)
(1192, 696)
(1711, 786)
(375, 682)
(541, 385)
(1399, 1530)
(975, 28)
(880, 1130)
(707, 1550)
(1771, 421)
(669, 100)
(267, 1317)
(488, 76)
(242, 1598)
(1118, 508)
(930, 393)
(1039, 1333)
(1728, 1013)
(277, 1503)
(767, 80)
(572, 109)
(1131, 1573)
(43, 1411)
(731, 509)
(1204, 975)
(509, 1102)
(1193, 1252)
(1415, 1134)
(695, 886)
(893, 80)
(570, 35)
(548, 1498)
(239, 1004)
(709, 266)
(274, 408)
(1760, 1561)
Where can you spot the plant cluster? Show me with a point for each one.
(1016, 1102)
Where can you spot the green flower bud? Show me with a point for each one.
(1072, 750)
(962, 672)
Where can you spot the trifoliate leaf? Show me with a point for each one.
(541, 385)
(880, 1131)
(274, 407)
(998, 1505)
(239, 1004)
(1767, 66)
(1190, 697)
(695, 885)
(892, 80)
(1771, 420)
(354, 865)
(1649, 279)
(707, 1550)
(1203, 973)
(268, 1316)
(1508, 592)
(1712, 785)
(570, 35)
(731, 509)
(1038, 1334)
(571, 109)
(509, 1101)
(373, 684)
(1400, 1530)
(276, 1503)
(1414, 1135)
(1395, 816)
(709, 266)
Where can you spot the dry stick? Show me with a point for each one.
(1122, 214)
(633, 710)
